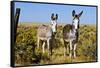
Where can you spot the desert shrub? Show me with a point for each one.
(27, 53)
(25, 45)
(87, 43)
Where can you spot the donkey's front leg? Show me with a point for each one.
(74, 50)
(70, 53)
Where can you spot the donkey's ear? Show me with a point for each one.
(56, 16)
(80, 13)
(73, 13)
(52, 15)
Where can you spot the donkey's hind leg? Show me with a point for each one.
(48, 44)
(38, 41)
(43, 46)
(65, 47)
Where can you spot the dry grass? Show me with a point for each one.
(26, 33)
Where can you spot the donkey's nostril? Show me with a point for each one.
(55, 32)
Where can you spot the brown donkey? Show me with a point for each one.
(70, 34)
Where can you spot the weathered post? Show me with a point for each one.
(16, 19)
(14, 23)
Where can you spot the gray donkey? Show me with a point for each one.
(70, 34)
(45, 32)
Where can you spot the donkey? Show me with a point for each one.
(45, 32)
(71, 34)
